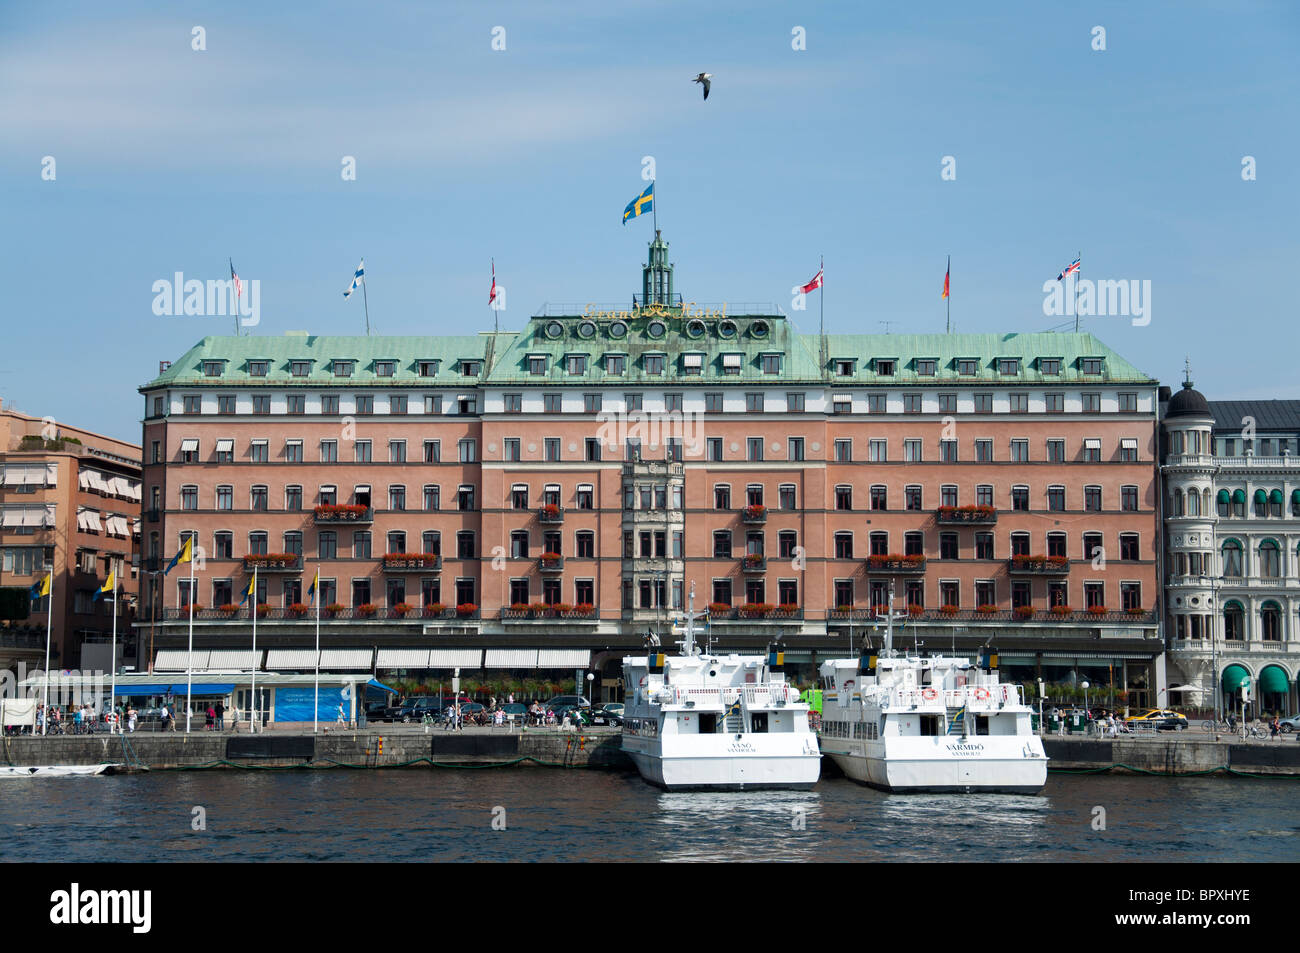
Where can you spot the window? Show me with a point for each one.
(722, 544)
(468, 450)
(1049, 366)
(770, 363)
(843, 368)
(794, 402)
(911, 403)
(983, 548)
(984, 450)
(912, 451)
(713, 403)
(912, 497)
(257, 498)
(329, 403)
(947, 403)
(189, 497)
(913, 544)
(225, 403)
(673, 402)
(885, 367)
(1055, 403)
(1128, 403)
(926, 367)
(1019, 544)
(713, 448)
(754, 403)
(223, 545)
(653, 364)
(947, 545)
(843, 545)
(1020, 498)
(1094, 595)
(1092, 498)
(1128, 496)
(879, 497)
(1056, 543)
(754, 447)
(343, 368)
(1128, 546)
(876, 403)
(948, 495)
(877, 451)
(361, 451)
(591, 403)
(841, 404)
(433, 403)
(293, 498)
(1056, 451)
(967, 367)
(225, 498)
(722, 497)
(843, 451)
(879, 544)
(786, 496)
(1019, 403)
(1128, 450)
(984, 494)
(794, 449)
(948, 451)
(552, 448)
(257, 543)
(575, 364)
(844, 497)
(1091, 545)
(397, 451)
(948, 593)
(1020, 451)
(1090, 365)
(510, 449)
(329, 451)
(1056, 498)
(327, 544)
(1008, 365)
(1269, 562)
(1091, 403)
(983, 403)
(512, 403)
(397, 497)
(465, 498)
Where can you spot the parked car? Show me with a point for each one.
(614, 707)
(572, 700)
(1289, 724)
(415, 708)
(519, 711)
(604, 716)
(1162, 718)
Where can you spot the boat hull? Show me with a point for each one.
(695, 767)
(916, 767)
(55, 771)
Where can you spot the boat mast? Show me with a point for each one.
(889, 623)
(688, 646)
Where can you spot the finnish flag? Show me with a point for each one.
(356, 279)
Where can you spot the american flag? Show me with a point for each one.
(235, 278)
(1069, 271)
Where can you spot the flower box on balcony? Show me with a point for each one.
(755, 562)
(273, 562)
(718, 607)
(434, 610)
(550, 562)
(916, 611)
(299, 609)
(343, 513)
(466, 609)
(755, 610)
(966, 514)
(1062, 610)
(400, 610)
(412, 562)
(228, 607)
(550, 513)
(333, 609)
(367, 609)
(263, 608)
(1024, 612)
(1051, 565)
(583, 610)
(949, 610)
(896, 562)
(986, 610)
(1136, 610)
(754, 513)
(1097, 610)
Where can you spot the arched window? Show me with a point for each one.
(1270, 619)
(1233, 621)
(1239, 503)
(1261, 504)
(1275, 503)
(1232, 558)
(1206, 508)
(1178, 503)
(1223, 503)
(1193, 503)
(1269, 560)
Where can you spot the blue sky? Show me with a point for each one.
(170, 159)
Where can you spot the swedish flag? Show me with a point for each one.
(184, 556)
(645, 202)
(248, 593)
(110, 584)
(42, 588)
(311, 590)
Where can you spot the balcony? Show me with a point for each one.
(152, 516)
(550, 513)
(755, 563)
(550, 562)
(328, 514)
(308, 614)
(1038, 565)
(896, 563)
(273, 562)
(962, 515)
(754, 515)
(539, 611)
(412, 562)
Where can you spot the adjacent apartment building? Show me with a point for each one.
(69, 500)
(1232, 528)
(540, 498)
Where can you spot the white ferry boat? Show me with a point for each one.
(908, 723)
(706, 721)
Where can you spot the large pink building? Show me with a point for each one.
(568, 483)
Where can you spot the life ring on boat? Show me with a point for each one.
(982, 694)
(929, 694)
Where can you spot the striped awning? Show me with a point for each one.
(510, 658)
(233, 660)
(563, 658)
(277, 660)
(173, 660)
(403, 658)
(335, 659)
(455, 658)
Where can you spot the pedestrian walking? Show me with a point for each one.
(209, 718)
(341, 720)
(221, 716)
(131, 716)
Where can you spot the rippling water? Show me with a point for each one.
(430, 814)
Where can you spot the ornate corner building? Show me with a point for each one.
(1232, 528)
(539, 498)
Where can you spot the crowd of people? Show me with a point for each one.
(85, 718)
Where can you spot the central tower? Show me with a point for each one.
(657, 276)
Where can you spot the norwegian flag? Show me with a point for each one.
(816, 282)
(492, 295)
(239, 288)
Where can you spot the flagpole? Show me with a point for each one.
(252, 602)
(112, 678)
(1078, 273)
(315, 708)
(189, 654)
(948, 296)
(366, 300)
(232, 281)
(49, 629)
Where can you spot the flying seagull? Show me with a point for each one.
(703, 79)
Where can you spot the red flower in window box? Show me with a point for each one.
(228, 607)
(1097, 610)
(1136, 610)
(263, 608)
(551, 559)
(1061, 610)
(584, 609)
(719, 607)
(434, 609)
(986, 610)
(1025, 612)
(368, 608)
(754, 559)
(755, 609)
(334, 608)
(401, 609)
(340, 511)
(299, 608)
(518, 607)
(844, 608)
(789, 607)
(550, 511)
(755, 511)
(949, 610)
(915, 611)
(466, 609)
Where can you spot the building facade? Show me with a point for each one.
(69, 500)
(563, 488)
(1232, 526)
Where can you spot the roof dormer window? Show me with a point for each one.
(300, 368)
(213, 368)
(575, 364)
(731, 363)
(471, 368)
(428, 368)
(258, 368)
(1090, 365)
(343, 368)
(385, 368)
(1049, 366)
(844, 367)
(926, 367)
(968, 366)
(885, 366)
(1008, 365)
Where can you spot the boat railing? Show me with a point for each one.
(727, 694)
(972, 696)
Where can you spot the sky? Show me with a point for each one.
(168, 159)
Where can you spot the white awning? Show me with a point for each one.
(455, 658)
(731, 360)
(119, 487)
(292, 442)
(510, 658)
(92, 521)
(280, 659)
(173, 660)
(133, 490)
(361, 488)
(83, 519)
(1092, 443)
(38, 515)
(116, 526)
(1130, 443)
(563, 658)
(189, 446)
(692, 360)
(232, 660)
(135, 527)
(257, 443)
(83, 479)
(225, 446)
(403, 658)
(334, 659)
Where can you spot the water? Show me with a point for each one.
(430, 814)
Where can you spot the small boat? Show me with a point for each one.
(907, 723)
(706, 721)
(55, 770)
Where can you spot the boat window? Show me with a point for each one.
(981, 724)
(758, 721)
(930, 725)
(708, 723)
